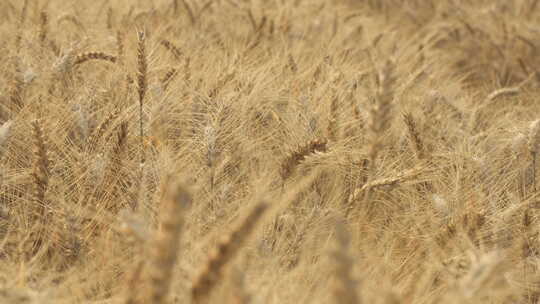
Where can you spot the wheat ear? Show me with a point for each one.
(44, 23)
(226, 250)
(380, 116)
(72, 19)
(99, 132)
(333, 128)
(110, 18)
(114, 169)
(84, 57)
(187, 70)
(40, 172)
(238, 294)
(18, 37)
(390, 181)
(414, 135)
(40, 176)
(344, 286)
(167, 243)
(15, 91)
(4, 133)
(189, 10)
(133, 282)
(296, 157)
(168, 78)
(142, 84)
(533, 144)
(120, 47)
(177, 53)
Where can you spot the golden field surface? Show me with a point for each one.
(269, 151)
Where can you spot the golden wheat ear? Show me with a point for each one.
(43, 27)
(166, 243)
(292, 161)
(40, 176)
(380, 112)
(414, 136)
(40, 172)
(533, 144)
(142, 84)
(344, 286)
(224, 253)
(4, 132)
(84, 57)
(177, 53)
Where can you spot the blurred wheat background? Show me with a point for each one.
(269, 151)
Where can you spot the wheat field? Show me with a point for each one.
(269, 151)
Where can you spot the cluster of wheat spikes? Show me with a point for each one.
(243, 151)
